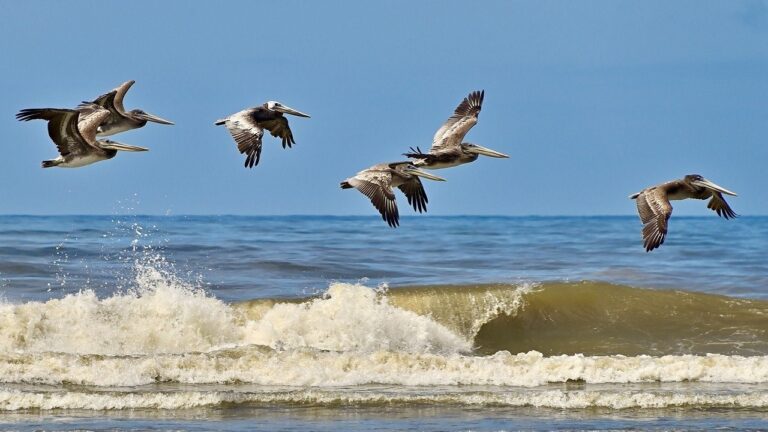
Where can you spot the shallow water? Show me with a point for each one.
(482, 323)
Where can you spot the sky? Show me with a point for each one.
(593, 100)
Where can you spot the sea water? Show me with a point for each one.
(328, 323)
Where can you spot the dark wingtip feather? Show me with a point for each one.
(28, 114)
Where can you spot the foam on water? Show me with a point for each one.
(264, 366)
(162, 314)
(351, 318)
(559, 399)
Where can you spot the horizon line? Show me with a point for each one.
(288, 215)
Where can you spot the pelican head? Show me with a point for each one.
(699, 181)
(116, 146)
(411, 169)
(144, 117)
(278, 107)
(480, 150)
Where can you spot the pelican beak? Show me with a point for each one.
(426, 175)
(486, 151)
(289, 110)
(153, 118)
(114, 145)
(709, 185)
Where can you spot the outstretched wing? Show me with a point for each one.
(278, 127)
(654, 209)
(414, 191)
(720, 206)
(452, 133)
(62, 128)
(375, 186)
(247, 134)
(113, 100)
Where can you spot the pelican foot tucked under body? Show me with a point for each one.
(377, 182)
(76, 138)
(654, 207)
(247, 128)
(119, 119)
(448, 150)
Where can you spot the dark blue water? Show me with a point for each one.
(240, 258)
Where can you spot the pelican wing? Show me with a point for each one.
(375, 185)
(62, 128)
(113, 100)
(105, 101)
(414, 191)
(247, 134)
(720, 206)
(278, 127)
(89, 110)
(452, 133)
(654, 209)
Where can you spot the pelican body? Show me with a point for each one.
(377, 182)
(654, 208)
(448, 150)
(247, 128)
(74, 137)
(119, 120)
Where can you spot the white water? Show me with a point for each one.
(559, 399)
(164, 315)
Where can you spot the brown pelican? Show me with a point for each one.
(377, 182)
(654, 208)
(447, 149)
(75, 140)
(120, 120)
(247, 128)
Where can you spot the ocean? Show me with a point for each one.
(341, 323)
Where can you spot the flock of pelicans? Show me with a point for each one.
(75, 133)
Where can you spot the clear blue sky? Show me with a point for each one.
(593, 100)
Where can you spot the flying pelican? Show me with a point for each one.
(120, 120)
(377, 182)
(75, 140)
(447, 149)
(247, 128)
(654, 207)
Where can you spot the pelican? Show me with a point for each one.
(654, 207)
(120, 120)
(247, 128)
(75, 138)
(377, 182)
(448, 150)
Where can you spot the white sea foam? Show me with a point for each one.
(161, 315)
(263, 366)
(11, 400)
(351, 318)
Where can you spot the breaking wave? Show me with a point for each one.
(167, 332)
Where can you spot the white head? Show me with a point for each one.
(278, 107)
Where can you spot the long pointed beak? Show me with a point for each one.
(291, 111)
(426, 175)
(709, 185)
(487, 152)
(153, 118)
(114, 145)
